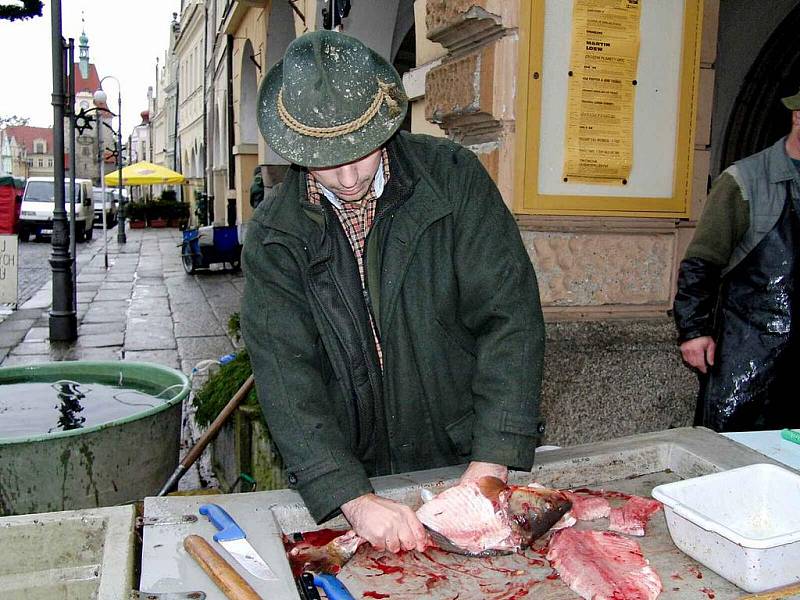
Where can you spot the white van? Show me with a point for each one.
(38, 204)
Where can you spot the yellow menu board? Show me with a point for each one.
(600, 101)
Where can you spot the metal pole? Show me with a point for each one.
(63, 323)
(73, 185)
(100, 126)
(121, 237)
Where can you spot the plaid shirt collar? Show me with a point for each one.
(316, 190)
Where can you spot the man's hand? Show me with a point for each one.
(385, 524)
(476, 470)
(699, 352)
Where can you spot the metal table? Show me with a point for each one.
(633, 464)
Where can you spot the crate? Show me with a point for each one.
(743, 524)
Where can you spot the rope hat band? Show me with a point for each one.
(387, 94)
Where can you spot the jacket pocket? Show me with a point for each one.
(460, 433)
(314, 468)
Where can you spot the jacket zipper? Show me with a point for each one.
(376, 326)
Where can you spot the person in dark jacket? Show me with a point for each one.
(737, 306)
(391, 311)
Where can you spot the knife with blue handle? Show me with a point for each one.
(333, 588)
(791, 435)
(231, 537)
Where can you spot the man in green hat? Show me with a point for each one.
(391, 311)
(737, 306)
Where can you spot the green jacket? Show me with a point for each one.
(456, 302)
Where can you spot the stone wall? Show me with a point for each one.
(611, 378)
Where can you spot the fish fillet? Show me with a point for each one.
(632, 518)
(600, 565)
(588, 508)
(489, 515)
(469, 519)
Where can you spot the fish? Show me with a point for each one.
(633, 516)
(488, 517)
(602, 565)
(588, 508)
(323, 551)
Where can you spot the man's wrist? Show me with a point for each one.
(352, 506)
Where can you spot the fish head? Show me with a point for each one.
(534, 510)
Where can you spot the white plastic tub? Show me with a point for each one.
(744, 524)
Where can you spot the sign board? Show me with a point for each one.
(9, 266)
(665, 37)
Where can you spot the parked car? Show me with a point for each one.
(38, 204)
(111, 207)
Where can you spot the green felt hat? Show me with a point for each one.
(330, 101)
(792, 102)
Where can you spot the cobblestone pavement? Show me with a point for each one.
(34, 264)
(34, 268)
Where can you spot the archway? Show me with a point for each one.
(280, 33)
(758, 117)
(248, 97)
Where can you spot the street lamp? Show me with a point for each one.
(100, 97)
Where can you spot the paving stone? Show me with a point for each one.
(118, 285)
(118, 294)
(150, 291)
(89, 295)
(96, 328)
(157, 307)
(38, 334)
(16, 324)
(151, 333)
(42, 347)
(19, 360)
(101, 340)
(90, 277)
(198, 328)
(11, 337)
(191, 348)
(112, 353)
(167, 358)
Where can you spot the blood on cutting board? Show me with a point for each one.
(695, 571)
(709, 592)
(375, 595)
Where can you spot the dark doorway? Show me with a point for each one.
(758, 118)
(405, 60)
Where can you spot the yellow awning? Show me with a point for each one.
(144, 173)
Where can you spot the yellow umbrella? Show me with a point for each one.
(144, 173)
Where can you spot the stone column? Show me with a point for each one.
(471, 93)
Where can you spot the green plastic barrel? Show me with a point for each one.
(112, 463)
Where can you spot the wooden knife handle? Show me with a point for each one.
(217, 568)
(776, 594)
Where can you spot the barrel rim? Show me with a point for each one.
(125, 367)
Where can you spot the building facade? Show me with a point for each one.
(26, 151)
(164, 116)
(190, 129)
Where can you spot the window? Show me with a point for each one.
(38, 147)
(49, 162)
(40, 163)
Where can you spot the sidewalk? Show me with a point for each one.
(144, 307)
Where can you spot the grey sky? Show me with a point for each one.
(124, 40)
